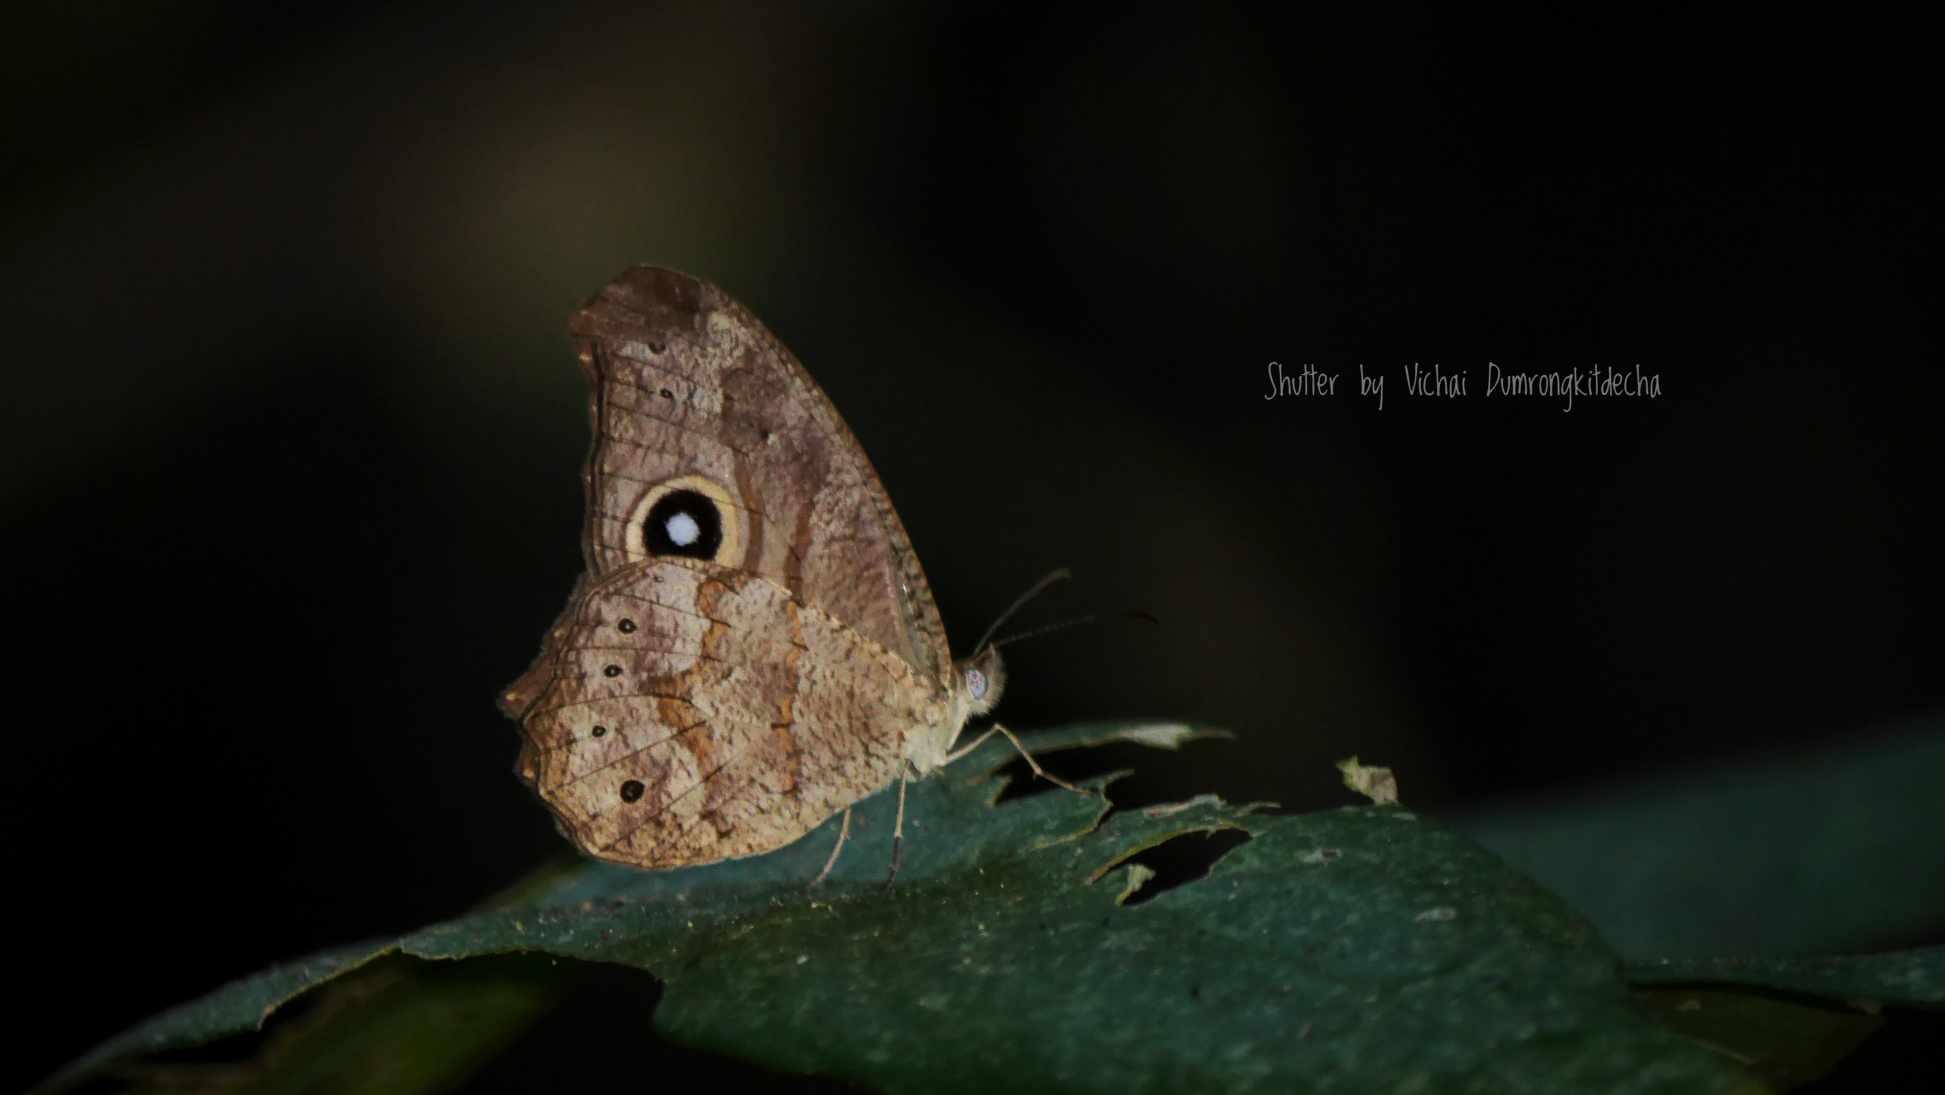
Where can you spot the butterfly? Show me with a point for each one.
(753, 647)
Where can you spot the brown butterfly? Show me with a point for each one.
(754, 647)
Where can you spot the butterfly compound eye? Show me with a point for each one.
(984, 679)
(684, 522)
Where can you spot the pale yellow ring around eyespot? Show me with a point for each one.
(729, 553)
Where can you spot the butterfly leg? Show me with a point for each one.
(1035, 765)
(970, 746)
(843, 830)
(898, 830)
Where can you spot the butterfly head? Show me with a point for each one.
(983, 678)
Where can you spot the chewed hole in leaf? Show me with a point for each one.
(1177, 861)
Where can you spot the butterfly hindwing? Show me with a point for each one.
(686, 712)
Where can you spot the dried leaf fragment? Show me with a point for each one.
(1376, 784)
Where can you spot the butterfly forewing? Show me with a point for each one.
(692, 392)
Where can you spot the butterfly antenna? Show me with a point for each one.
(1062, 625)
(1043, 629)
(1039, 587)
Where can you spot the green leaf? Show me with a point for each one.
(1912, 977)
(1787, 1042)
(1790, 1020)
(1823, 851)
(1024, 943)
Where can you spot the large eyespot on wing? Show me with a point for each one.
(696, 713)
(691, 392)
(690, 516)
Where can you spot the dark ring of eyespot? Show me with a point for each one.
(699, 508)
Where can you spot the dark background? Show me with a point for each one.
(294, 429)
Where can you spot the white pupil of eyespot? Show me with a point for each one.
(976, 683)
(683, 530)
